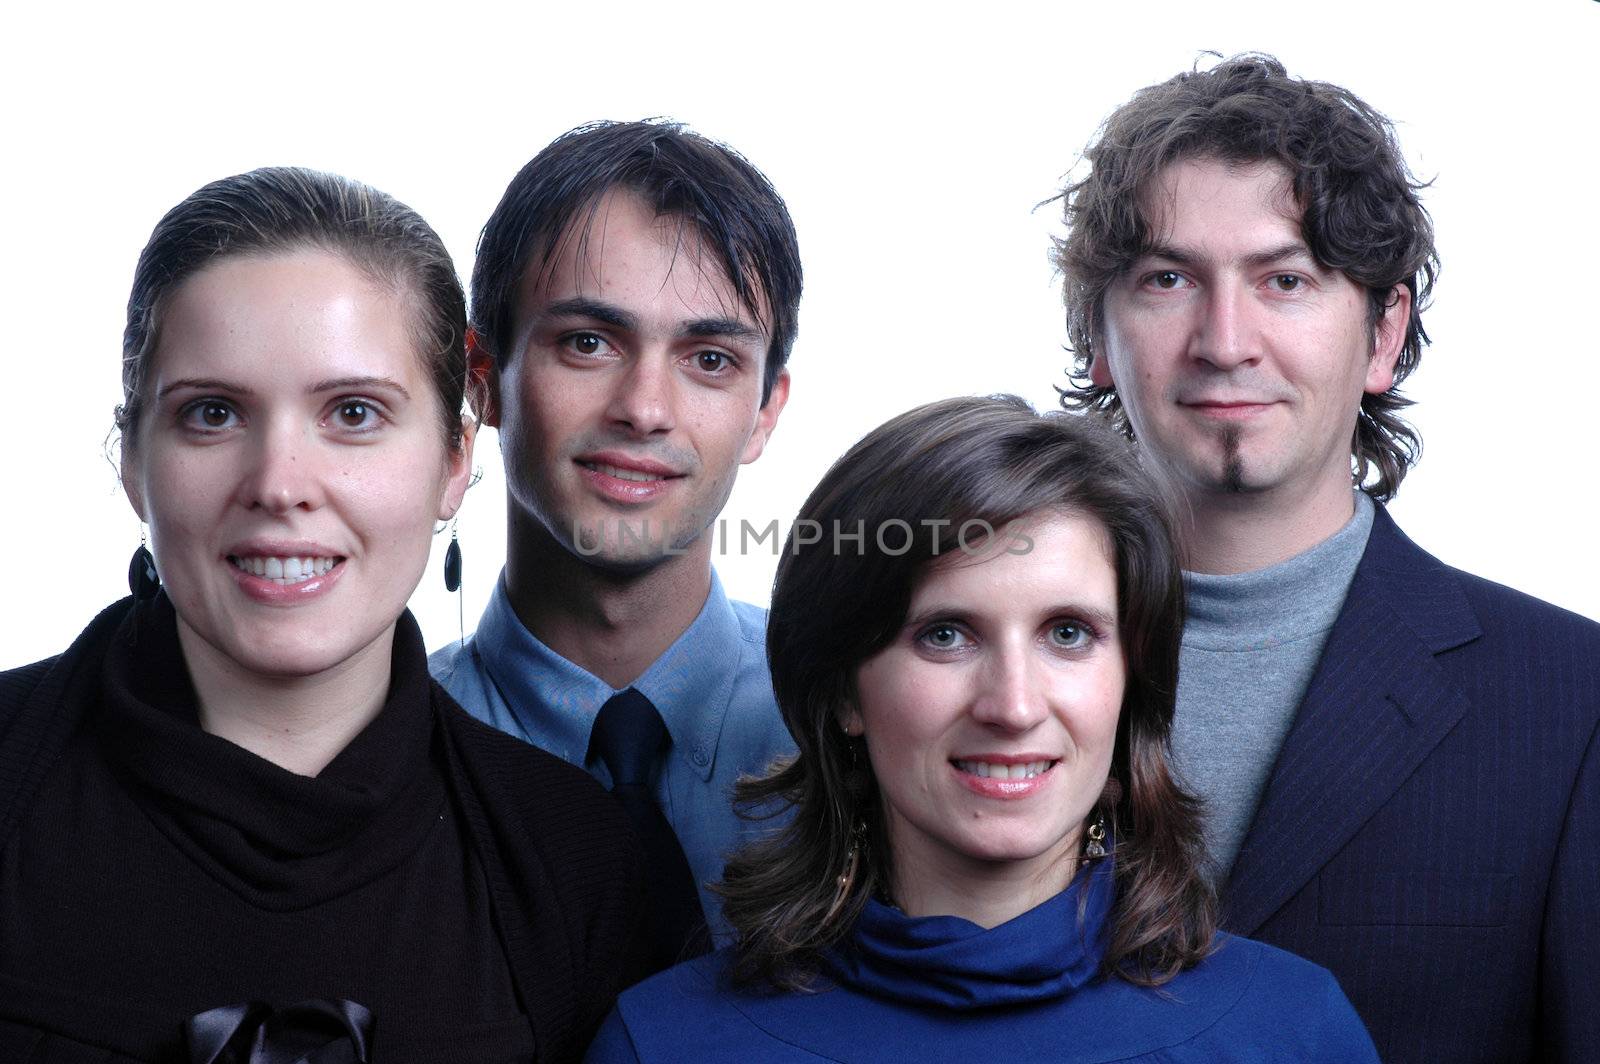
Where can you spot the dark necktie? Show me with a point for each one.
(631, 738)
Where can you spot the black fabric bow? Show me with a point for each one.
(312, 1032)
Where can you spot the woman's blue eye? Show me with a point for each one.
(942, 636)
(1069, 635)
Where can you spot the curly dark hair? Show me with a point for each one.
(1362, 217)
(953, 464)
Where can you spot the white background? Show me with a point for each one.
(911, 143)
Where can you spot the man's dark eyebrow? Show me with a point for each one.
(1183, 257)
(614, 316)
(1171, 254)
(594, 309)
(1294, 249)
(725, 328)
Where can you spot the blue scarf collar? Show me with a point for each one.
(952, 963)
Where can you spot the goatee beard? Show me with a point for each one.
(1232, 462)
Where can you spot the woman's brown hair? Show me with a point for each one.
(952, 472)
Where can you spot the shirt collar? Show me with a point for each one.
(555, 702)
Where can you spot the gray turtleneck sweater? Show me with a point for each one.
(1250, 647)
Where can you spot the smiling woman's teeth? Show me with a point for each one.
(284, 571)
(1003, 772)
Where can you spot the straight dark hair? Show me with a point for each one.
(282, 209)
(729, 203)
(957, 465)
(1361, 216)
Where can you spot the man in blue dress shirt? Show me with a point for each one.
(634, 302)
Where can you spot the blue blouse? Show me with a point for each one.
(925, 989)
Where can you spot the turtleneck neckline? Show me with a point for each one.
(1291, 600)
(952, 963)
(281, 841)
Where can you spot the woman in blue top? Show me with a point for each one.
(974, 641)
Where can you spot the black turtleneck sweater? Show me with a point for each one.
(471, 893)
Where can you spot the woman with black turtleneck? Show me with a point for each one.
(238, 822)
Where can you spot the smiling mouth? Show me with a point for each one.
(284, 571)
(990, 770)
(618, 472)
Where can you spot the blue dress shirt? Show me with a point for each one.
(711, 687)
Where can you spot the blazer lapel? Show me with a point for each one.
(1377, 705)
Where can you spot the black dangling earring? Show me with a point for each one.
(452, 578)
(143, 580)
(452, 562)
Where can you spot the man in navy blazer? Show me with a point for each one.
(1400, 760)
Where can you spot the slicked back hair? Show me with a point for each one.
(942, 469)
(282, 209)
(1361, 216)
(730, 205)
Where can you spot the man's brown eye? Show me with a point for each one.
(1167, 279)
(712, 361)
(586, 343)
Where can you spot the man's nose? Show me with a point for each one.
(1226, 336)
(644, 396)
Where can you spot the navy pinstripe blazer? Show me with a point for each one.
(1431, 829)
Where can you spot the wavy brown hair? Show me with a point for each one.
(946, 471)
(1361, 216)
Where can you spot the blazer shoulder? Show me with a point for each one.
(1499, 606)
(1449, 607)
(1551, 651)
